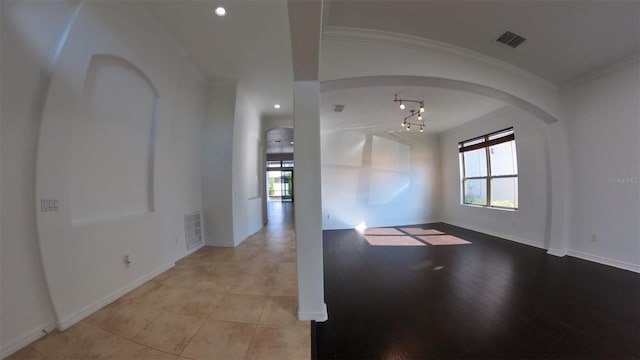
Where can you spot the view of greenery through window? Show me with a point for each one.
(489, 170)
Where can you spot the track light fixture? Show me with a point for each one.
(413, 112)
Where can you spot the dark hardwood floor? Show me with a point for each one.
(491, 299)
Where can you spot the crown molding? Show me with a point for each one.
(600, 72)
(340, 33)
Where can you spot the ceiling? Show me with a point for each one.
(565, 39)
(373, 108)
(251, 44)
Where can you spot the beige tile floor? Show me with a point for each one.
(217, 303)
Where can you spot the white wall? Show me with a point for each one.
(186, 156)
(247, 169)
(379, 178)
(603, 127)
(28, 45)
(528, 224)
(217, 181)
(30, 35)
(233, 166)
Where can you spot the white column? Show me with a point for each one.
(308, 204)
(559, 200)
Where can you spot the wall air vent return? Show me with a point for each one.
(192, 230)
(510, 39)
(338, 108)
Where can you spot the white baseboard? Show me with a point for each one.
(72, 319)
(557, 252)
(605, 260)
(385, 224)
(25, 339)
(189, 252)
(200, 246)
(32, 335)
(320, 316)
(500, 235)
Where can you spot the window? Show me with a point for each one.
(279, 163)
(489, 170)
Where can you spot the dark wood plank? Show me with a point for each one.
(491, 299)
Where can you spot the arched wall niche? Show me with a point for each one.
(103, 154)
(113, 140)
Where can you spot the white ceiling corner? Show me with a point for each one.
(565, 39)
(250, 44)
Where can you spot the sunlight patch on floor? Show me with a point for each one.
(407, 236)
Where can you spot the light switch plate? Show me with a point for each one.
(48, 204)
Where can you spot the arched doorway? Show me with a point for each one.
(279, 172)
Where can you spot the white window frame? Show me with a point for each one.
(486, 143)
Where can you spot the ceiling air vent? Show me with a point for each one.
(338, 108)
(510, 39)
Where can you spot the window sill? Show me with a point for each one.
(490, 207)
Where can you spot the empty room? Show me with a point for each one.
(319, 179)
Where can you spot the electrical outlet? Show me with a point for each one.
(593, 238)
(127, 259)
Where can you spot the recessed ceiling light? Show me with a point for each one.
(220, 11)
(277, 106)
(292, 143)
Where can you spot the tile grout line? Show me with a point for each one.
(132, 339)
(186, 345)
(109, 332)
(162, 309)
(261, 312)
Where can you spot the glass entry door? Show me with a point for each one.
(280, 181)
(286, 185)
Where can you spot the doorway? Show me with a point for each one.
(280, 180)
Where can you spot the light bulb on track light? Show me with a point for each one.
(415, 112)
